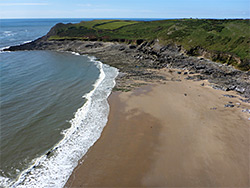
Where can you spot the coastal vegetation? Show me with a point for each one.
(226, 41)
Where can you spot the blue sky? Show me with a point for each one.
(124, 8)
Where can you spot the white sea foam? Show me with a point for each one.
(85, 130)
(75, 53)
(6, 47)
(28, 41)
(4, 182)
(8, 33)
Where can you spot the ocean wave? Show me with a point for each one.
(55, 167)
(1, 49)
(4, 182)
(9, 33)
(28, 41)
(6, 47)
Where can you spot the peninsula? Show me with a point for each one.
(180, 109)
(135, 46)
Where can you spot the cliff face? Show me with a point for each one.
(221, 57)
(224, 41)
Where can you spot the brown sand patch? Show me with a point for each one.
(111, 162)
(172, 134)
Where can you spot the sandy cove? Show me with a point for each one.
(176, 133)
(168, 133)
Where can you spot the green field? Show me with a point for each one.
(94, 23)
(216, 36)
(114, 25)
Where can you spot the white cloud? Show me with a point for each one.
(114, 10)
(85, 5)
(23, 4)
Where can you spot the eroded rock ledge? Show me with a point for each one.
(137, 62)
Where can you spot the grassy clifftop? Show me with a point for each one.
(226, 41)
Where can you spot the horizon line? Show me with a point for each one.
(127, 18)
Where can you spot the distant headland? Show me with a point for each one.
(136, 46)
(226, 41)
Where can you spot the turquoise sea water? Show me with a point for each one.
(52, 102)
(40, 91)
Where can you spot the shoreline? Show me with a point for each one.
(154, 138)
(47, 165)
(134, 75)
(138, 62)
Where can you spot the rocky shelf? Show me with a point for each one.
(137, 62)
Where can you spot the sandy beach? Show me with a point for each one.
(176, 133)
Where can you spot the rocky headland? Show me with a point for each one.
(137, 63)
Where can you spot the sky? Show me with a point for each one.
(124, 8)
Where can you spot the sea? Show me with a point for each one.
(53, 106)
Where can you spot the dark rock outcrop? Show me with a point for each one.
(135, 60)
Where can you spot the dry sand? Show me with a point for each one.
(172, 134)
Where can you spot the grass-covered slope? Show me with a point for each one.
(220, 40)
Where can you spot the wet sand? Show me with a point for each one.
(171, 134)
